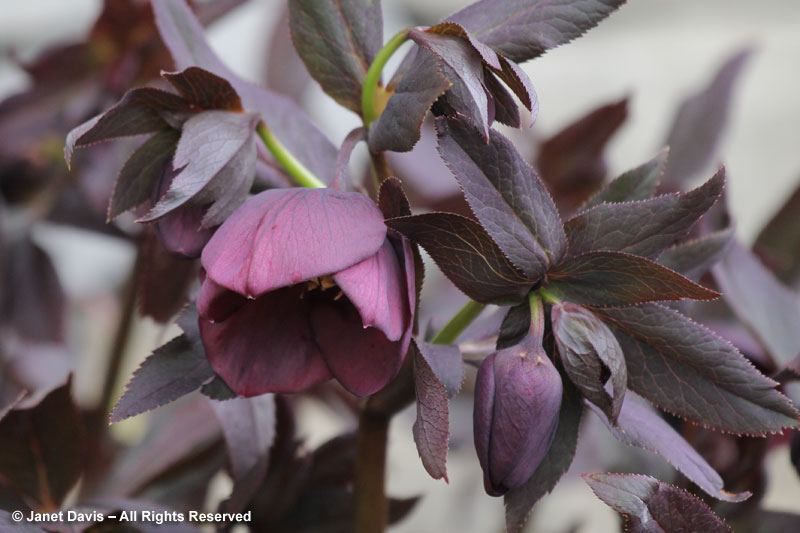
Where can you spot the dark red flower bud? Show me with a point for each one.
(517, 401)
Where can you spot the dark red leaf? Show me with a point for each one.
(779, 241)
(204, 90)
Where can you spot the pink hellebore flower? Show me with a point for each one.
(303, 285)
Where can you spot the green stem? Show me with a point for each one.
(548, 296)
(537, 316)
(296, 169)
(450, 332)
(373, 77)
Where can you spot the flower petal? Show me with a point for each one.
(376, 286)
(284, 236)
(267, 345)
(362, 359)
(216, 303)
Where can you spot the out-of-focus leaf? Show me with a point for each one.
(286, 73)
(139, 111)
(248, 425)
(641, 426)
(695, 257)
(779, 241)
(619, 279)
(42, 448)
(587, 348)
(524, 29)
(770, 309)
(398, 127)
(216, 154)
(794, 451)
(204, 89)
(9, 524)
(699, 123)
(337, 40)
(173, 370)
(463, 66)
(572, 161)
(32, 302)
(164, 281)
(689, 371)
(650, 506)
(644, 227)
(555, 464)
(762, 521)
(466, 254)
(184, 37)
(434, 367)
(515, 326)
(636, 184)
(507, 196)
(141, 172)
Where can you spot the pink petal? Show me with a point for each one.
(362, 359)
(216, 303)
(267, 345)
(284, 236)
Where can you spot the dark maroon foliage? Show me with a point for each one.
(297, 284)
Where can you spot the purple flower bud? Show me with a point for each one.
(303, 285)
(517, 401)
(179, 231)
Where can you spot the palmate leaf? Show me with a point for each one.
(641, 426)
(620, 279)
(769, 308)
(689, 371)
(438, 373)
(555, 464)
(337, 40)
(650, 506)
(524, 29)
(636, 184)
(644, 227)
(506, 195)
(466, 254)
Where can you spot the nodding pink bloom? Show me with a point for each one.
(303, 285)
(179, 231)
(517, 401)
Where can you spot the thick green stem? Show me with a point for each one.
(537, 316)
(296, 169)
(371, 505)
(548, 296)
(369, 110)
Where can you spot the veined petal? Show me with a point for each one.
(267, 345)
(284, 236)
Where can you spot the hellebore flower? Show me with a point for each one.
(180, 231)
(302, 285)
(517, 401)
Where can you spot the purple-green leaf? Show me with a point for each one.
(173, 370)
(636, 184)
(643, 227)
(392, 200)
(216, 155)
(467, 255)
(204, 90)
(42, 448)
(641, 426)
(689, 371)
(608, 279)
(183, 35)
(699, 123)
(524, 29)
(141, 172)
(587, 347)
(769, 308)
(506, 195)
(398, 127)
(437, 371)
(650, 506)
(139, 111)
(337, 40)
(695, 257)
(515, 325)
(520, 501)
